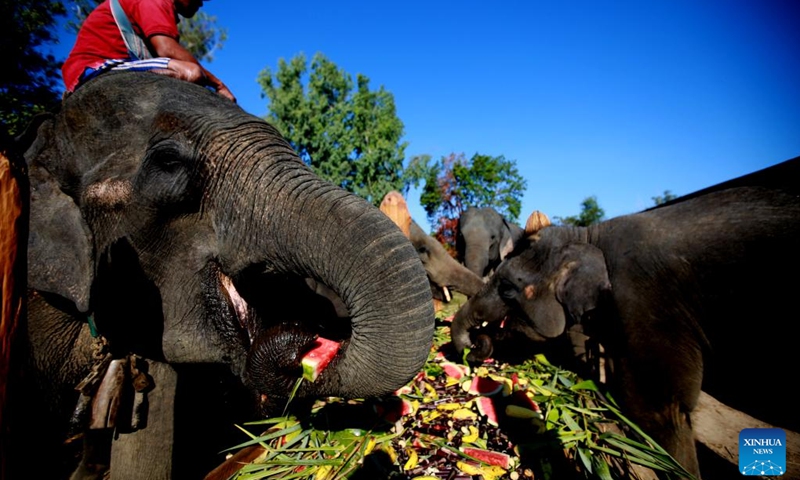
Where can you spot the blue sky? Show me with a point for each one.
(621, 100)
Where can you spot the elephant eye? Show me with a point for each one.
(507, 290)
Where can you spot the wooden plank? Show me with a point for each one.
(717, 426)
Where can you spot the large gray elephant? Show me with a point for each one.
(484, 239)
(696, 293)
(185, 231)
(443, 270)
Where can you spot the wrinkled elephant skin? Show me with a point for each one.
(694, 293)
(484, 239)
(442, 269)
(190, 232)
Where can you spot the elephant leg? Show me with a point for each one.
(661, 403)
(96, 458)
(156, 439)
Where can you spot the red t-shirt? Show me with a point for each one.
(99, 38)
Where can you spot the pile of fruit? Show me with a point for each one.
(452, 422)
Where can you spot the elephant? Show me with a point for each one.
(444, 271)
(175, 226)
(484, 239)
(696, 293)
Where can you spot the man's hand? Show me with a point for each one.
(223, 90)
(187, 67)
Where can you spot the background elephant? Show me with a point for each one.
(698, 292)
(185, 229)
(444, 272)
(484, 239)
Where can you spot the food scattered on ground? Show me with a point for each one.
(457, 422)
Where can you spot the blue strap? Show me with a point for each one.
(137, 49)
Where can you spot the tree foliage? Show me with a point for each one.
(590, 213)
(29, 77)
(454, 183)
(350, 135)
(199, 34)
(658, 200)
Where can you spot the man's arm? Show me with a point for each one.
(165, 46)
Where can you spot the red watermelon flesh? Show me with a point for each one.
(316, 359)
(485, 386)
(489, 457)
(522, 399)
(455, 370)
(486, 408)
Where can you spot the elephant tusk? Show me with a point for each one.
(447, 296)
(237, 302)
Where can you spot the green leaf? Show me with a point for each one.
(585, 385)
(601, 468)
(585, 457)
(265, 438)
(566, 416)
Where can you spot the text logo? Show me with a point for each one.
(762, 451)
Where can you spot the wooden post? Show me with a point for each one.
(717, 426)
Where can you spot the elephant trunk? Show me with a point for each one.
(460, 327)
(476, 258)
(463, 280)
(314, 229)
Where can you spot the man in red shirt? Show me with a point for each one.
(100, 46)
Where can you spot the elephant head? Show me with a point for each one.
(552, 282)
(444, 272)
(484, 239)
(189, 230)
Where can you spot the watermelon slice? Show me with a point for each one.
(484, 386)
(454, 370)
(489, 457)
(523, 399)
(315, 360)
(486, 408)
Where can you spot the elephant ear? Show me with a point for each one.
(59, 241)
(582, 279)
(511, 234)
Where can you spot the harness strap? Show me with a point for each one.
(137, 49)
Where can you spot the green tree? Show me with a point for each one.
(349, 136)
(199, 34)
(454, 183)
(29, 77)
(658, 200)
(590, 213)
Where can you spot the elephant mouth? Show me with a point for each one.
(278, 319)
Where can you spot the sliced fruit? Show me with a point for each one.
(455, 370)
(484, 386)
(316, 359)
(489, 457)
(486, 408)
(463, 414)
(523, 399)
